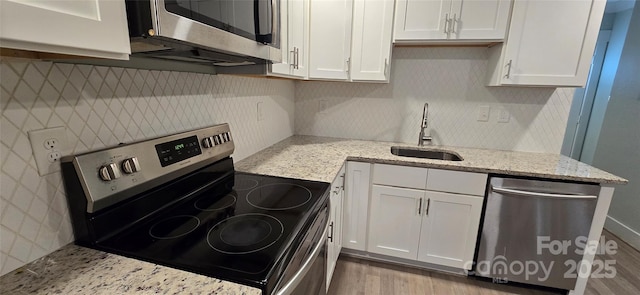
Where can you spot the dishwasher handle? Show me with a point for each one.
(539, 194)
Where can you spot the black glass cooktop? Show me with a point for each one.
(241, 228)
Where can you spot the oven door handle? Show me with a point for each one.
(306, 266)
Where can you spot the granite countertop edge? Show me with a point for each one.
(291, 156)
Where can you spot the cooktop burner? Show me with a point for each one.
(289, 196)
(245, 233)
(213, 204)
(243, 183)
(174, 227)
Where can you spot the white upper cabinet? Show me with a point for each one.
(294, 39)
(428, 20)
(330, 39)
(371, 40)
(422, 19)
(550, 43)
(479, 19)
(96, 28)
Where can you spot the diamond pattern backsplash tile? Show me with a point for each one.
(104, 106)
(452, 81)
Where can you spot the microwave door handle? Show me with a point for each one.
(265, 22)
(538, 194)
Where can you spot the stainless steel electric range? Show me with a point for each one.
(177, 201)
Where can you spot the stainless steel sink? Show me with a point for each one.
(425, 154)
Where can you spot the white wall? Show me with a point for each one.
(605, 85)
(451, 80)
(102, 106)
(618, 146)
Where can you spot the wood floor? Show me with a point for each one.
(355, 276)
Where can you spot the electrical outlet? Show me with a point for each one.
(259, 111)
(50, 143)
(54, 156)
(48, 146)
(503, 116)
(483, 113)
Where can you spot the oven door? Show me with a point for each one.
(307, 272)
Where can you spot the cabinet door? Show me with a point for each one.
(334, 243)
(422, 19)
(286, 45)
(356, 206)
(371, 40)
(294, 23)
(394, 223)
(449, 229)
(330, 39)
(299, 35)
(479, 19)
(95, 28)
(550, 43)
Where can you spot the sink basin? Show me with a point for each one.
(425, 154)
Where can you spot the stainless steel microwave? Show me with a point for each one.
(215, 32)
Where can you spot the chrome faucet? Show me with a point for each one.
(424, 135)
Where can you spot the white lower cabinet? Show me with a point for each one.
(334, 240)
(449, 229)
(434, 227)
(395, 220)
(356, 205)
(437, 227)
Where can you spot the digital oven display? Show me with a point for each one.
(178, 150)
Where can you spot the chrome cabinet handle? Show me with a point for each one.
(330, 237)
(426, 212)
(446, 23)
(297, 58)
(508, 75)
(538, 194)
(348, 64)
(386, 68)
(293, 63)
(453, 25)
(420, 206)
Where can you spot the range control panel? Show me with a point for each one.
(105, 173)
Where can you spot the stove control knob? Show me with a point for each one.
(227, 136)
(217, 140)
(131, 165)
(207, 142)
(109, 172)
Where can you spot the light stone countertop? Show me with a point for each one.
(78, 270)
(320, 158)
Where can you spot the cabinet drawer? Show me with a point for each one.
(400, 176)
(457, 182)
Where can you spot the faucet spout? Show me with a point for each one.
(424, 135)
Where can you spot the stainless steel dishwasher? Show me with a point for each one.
(534, 231)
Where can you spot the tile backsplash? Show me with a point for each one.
(451, 80)
(103, 106)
